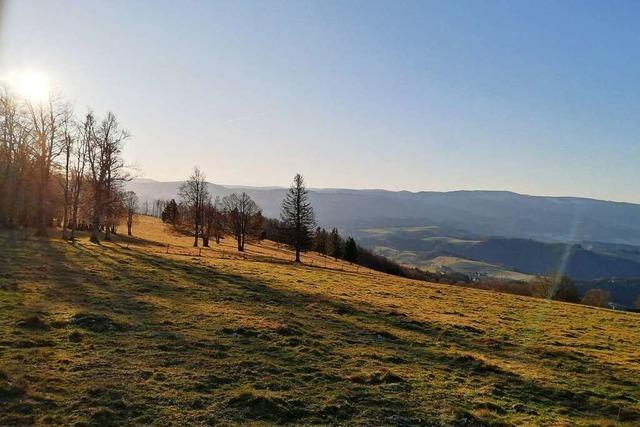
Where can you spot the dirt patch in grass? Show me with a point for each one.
(33, 323)
(377, 377)
(255, 405)
(96, 323)
(11, 389)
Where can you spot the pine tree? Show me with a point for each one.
(335, 244)
(350, 250)
(170, 212)
(297, 216)
(321, 240)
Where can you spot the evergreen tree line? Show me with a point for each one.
(60, 169)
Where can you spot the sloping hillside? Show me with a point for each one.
(110, 335)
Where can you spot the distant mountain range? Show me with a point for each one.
(457, 213)
(584, 238)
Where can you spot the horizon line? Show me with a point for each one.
(279, 187)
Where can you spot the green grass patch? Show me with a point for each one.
(105, 335)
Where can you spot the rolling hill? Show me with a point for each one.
(504, 232)
(150, 330)
(551, 258)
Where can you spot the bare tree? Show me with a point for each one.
(244, 217)
(42, 145)
(84, 141)
(217, 227)
(213, 221)
(297, 216)
(68, 143)
(107, 172)
(207, 221)
(194, 193)
(15, 156)
(130, 201)
(46, 121)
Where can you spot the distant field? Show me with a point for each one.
(395, 230)
(471, 268)
(449, 240)
(112, 335)
(448, 264)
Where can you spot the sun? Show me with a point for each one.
(32, 85)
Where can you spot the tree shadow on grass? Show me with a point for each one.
(361, 326)
(300, 363)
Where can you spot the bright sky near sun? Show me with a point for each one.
(535, 97)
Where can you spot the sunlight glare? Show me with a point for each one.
(32, 85)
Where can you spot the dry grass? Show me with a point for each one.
(107, 334)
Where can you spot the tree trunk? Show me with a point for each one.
(95, 226)
(74, 221)
(197, 227)
(129, 229)
(297, 253)
(74, 212)
(65, 213)
(42, 218)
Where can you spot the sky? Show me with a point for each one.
(535, 97)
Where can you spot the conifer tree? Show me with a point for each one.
(335, 244)
(297, 216)
(350, 250)
(321, 240)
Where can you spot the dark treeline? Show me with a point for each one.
(60, 169)
(560, 288)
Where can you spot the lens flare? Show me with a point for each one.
(32, 85)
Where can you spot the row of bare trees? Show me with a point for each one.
(56, 168)
(207, 217)
(240, 216)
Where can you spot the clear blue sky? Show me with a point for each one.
(536, 97)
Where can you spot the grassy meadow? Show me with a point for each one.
(125, 333)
